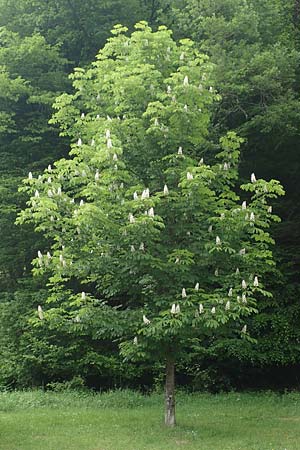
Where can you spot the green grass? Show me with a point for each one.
(126, 420)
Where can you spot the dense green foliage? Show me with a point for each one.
(80, 28)
(32, 75)
(255, 48)
(185, 256)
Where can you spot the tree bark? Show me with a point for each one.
(296, 12)
(170, 392)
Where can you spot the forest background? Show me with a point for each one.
(255, 46)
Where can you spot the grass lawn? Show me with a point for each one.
(126, 420)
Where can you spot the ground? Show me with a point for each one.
(125, 420)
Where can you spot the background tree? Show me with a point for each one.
(32, 75)
(80, 28)
(146, 236)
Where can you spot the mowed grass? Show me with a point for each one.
(124, 420)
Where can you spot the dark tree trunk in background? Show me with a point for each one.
(170, 392)
(296, 12)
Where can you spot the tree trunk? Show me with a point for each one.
(296, 12)
(170, 393)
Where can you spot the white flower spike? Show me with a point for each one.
(189, 176)
(244, 329)
(201, 309)
(244, 205)
(40, 312)
(230, 292)
(197, 287)
(227, 306)
(173, 309)
(253, 178)
(177, 310)
(79, 142)
(145, 193)
(135, 196)
(151, 212)
(109, 143)
(30, 176)
(166, 190)
(145, 320)
(255, 282)
(83, 295)
(218, 241)
(183, 293)
(186, 81)
(244, 284)
(179, 151)
(213, 310)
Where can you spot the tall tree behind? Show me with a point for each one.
(32, 76)
(81, 27)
